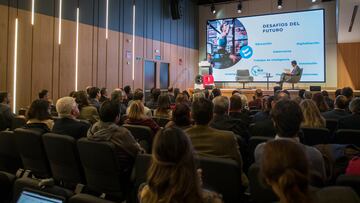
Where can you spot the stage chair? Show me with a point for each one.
(224, 177)
(31, 149)
(10, 160)
(243, 76)
(64, 159)
(102, 169)
(314, 136)
(295, 78)
(347, 136)
(142, 134)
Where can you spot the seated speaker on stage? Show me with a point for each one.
(288, 75)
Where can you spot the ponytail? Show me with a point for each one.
(294, 186)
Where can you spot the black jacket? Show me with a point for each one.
(74, 128)
(225, 122)
(335, 114)
(350, 122)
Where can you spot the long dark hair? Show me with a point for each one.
(172, 177)
(39, 109)
(81, 99)
(163, 104)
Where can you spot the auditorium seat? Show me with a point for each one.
(18, 122)
(6, 186)
(347, 136)
(64, 159)
(142, 134)
(139, 175)
(254, 141)
(10, 160)
(102, 169)
(30, 146)
(161, 121)
(314, 136)
(224, 177)
(259, 191)
(350, 181)
(85, 198)
(331, 125)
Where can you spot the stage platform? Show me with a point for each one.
(250, 92)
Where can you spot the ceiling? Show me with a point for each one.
(345, 13)
(204, 2)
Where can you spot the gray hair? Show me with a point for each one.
(354, 106)
(221, 105)
(117, 95)
(64, 106)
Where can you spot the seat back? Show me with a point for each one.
(30, 147)
(63, 158)
(10, 160)
(142, 134)
(347, 136)
(260, 192)
(6, 186)
(331, 125)
(222, 176)
(18, 122)
(101, 166)
(161, 121)
(85, 198)
(254, 141)
(350, 181)
(314, 136)
(139, 175)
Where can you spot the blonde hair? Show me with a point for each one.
(312, 115)
(136, 110)
(64, 106)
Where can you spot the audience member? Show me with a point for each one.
(163, 110)
(211, 142)
(197, 96)
(244, 102)
(349, 94)
(139, 96)
(222, 121)
(153, 103)
(118, 97)
(187, 94)
(307, 95)
(173, 176)
(235, 92)
(68, 111)
(320, 102)
(285, 168)
(312, 115)
(171, 95)
(337, 92)
(339, 111)
(128, 94)
(265, 113)
(6, 116)
(327, 98)
(87, 112)
(180, 117)
(43, 94)
(107, 130)
(287, 117)
(88, 90)
(215, 92)
(176, 92)
(182, 99)
(136, 116)
(353, 168)
(72, 94)
(39, 117)
(300, 96)
(258, 100)
(103, 95)
(94, 96)
(207, 94)
(236, 110)
(352, 121)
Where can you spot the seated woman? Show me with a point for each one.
(137, 116)
(173, 176)
(320, 102)
(39, 117)
(163, 110)
(285, 168)
(180, 117)
(87, 111)
(312, 115)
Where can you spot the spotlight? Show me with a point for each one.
(239, 7)
(213, 9)
(279, 4)
(313, 1)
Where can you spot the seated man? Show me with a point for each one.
(257, 103)
(210, 142)
(237, 110)
(223, 121)
(286, 76)
(352, 121)
(68, 124)
(6, 116)
(139, 95)
(107, 130)
(287, 117)
(339, 111)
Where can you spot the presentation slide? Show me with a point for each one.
(267, 44)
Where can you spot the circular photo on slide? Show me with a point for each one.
(225, 42)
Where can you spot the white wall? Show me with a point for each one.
(256, 7)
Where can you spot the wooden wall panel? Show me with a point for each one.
(101, 58)
(112, 60)
(127, 60)
(67, 58)
(24, 59)
(120, 59)
(139, 64)
(4, 12)
(56, 61)
(349, 65)
(10, 51)
(85, 56)
(43, 55)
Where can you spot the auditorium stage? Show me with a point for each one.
(250, 92)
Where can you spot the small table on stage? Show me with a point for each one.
(268, 76)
